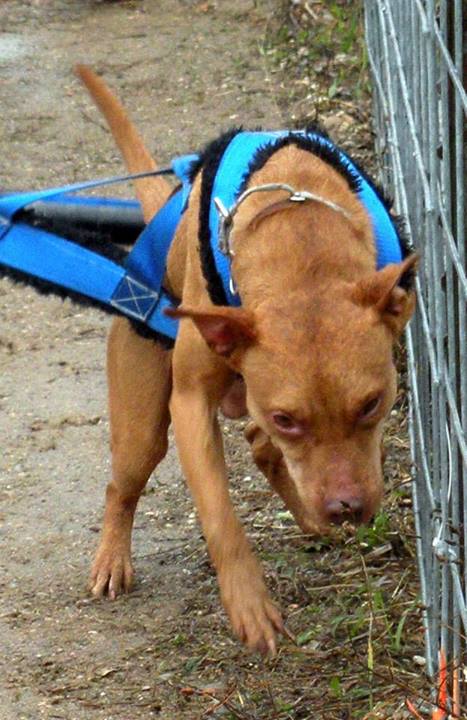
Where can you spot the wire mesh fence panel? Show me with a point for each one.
(417, 55)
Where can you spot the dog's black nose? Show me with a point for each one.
(340, 510)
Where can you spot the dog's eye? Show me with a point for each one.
(286, 424)
(369, 409)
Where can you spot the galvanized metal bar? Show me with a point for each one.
(452, 68)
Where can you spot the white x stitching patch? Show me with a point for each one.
(134, 298)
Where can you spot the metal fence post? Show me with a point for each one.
(417, 57)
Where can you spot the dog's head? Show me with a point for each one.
(320, 381)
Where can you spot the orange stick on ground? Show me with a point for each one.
(440, 712)
(442, 701)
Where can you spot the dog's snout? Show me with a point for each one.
(338, 510)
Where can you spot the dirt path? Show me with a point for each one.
(186, 70)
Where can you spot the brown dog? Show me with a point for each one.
(313, 343)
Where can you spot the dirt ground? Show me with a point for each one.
(186, 70)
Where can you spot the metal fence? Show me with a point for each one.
(417, 56)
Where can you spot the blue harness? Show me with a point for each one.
(135, 287)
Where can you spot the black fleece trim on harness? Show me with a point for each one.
(209, 161)
(311, 144)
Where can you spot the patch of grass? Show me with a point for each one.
(178, 640)
(319, 48)
(370, 536)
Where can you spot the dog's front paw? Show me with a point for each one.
(112, 571)
(254, 617)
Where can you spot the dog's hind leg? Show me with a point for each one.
(270, 461)
(139, 373)
(139, 376)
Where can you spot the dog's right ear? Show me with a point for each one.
(224, 329)
(390, 291)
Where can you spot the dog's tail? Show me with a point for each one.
(152, 192)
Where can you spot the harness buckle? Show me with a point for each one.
(297, 196)
(225, 225)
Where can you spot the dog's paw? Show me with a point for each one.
(112, 572)
(254, 617)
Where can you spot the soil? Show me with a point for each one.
(186, 70)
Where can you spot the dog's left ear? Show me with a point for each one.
(390, 291)
(224, 329)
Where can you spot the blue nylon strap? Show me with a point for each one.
(388, 247)
(138, 293)
(182, 167)
(136, 289)
(148, 258)
(231, 171)
(52, 258)
(63, 263)
(133, 290)
(229, 178)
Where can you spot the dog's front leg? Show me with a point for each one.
(198, 390)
